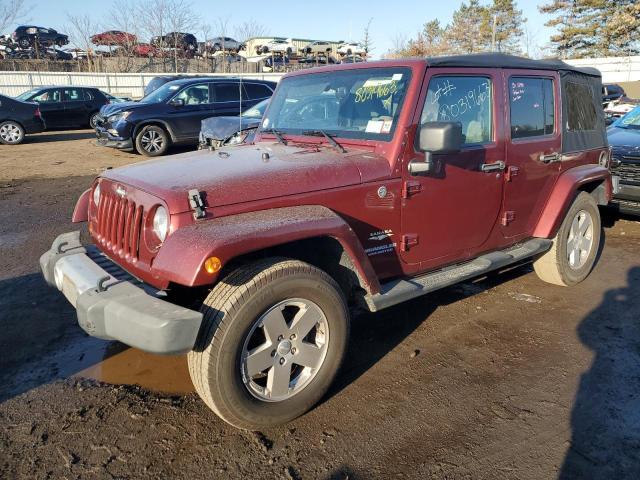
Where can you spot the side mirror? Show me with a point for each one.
(436, 138)
(177, 102)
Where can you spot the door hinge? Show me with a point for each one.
(508, 217)
(411, 187)
(512, 171)
(409, 240)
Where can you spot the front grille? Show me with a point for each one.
(628, 170)
(119, 225)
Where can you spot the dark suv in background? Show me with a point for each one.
(172, 114)
(28, 35)
(66, 107)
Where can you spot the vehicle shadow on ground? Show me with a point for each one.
(605, 420)
(53, 136)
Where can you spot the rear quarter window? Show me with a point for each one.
(581, 114)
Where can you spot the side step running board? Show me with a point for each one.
(398, 291)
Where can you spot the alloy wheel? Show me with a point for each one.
(10, 133)
(152, 141)
(580, 241)
(284, 350)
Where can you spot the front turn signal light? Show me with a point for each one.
(212, 265)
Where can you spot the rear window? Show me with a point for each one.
(255, 90)
(581, 114)
(532, 107)
(226, 92)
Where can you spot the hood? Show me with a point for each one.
(622, 139)
(111, 108)
(221, 128)
(240, 174)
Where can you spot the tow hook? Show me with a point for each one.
(197, 204)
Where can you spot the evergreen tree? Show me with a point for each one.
(509, 26)
(594, 28)
(470, 31)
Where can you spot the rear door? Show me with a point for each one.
(226, 97)
(76, 106)
(533, 147)
(185, 119)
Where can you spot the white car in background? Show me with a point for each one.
(318, 46)
(351, 48)
(277, 45)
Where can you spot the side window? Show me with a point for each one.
(48, 96)
(255, 90)
(463, 99)
(532, 110)
(226, 92)
(72, 95)
(195, 95)
(581, 114)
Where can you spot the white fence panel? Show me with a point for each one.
(126, 84)
(614, 69)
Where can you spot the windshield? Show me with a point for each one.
(362, 104)
(257, 111)
(162, 94)
(630, 120)
(29, 93)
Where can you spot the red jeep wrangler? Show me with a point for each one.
(368, 184)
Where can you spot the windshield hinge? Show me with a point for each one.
(410, 188)
(197, 204)
(409, 240)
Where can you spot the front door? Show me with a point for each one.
(449, 216)
(186, 118)
(51, 107)
(533, 148)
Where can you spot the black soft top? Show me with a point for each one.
(502, 60)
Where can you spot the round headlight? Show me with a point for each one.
(161, 223)
(96, 194)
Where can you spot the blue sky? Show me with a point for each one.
(337, 20)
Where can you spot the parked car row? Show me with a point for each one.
(286, 46)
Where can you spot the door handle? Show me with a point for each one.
(493, 167)
(551, 158)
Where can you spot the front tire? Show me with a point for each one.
(152, 141)
(24, 42)
(11, 133)
(273, 337)
(575, 246)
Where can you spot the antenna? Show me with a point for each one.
(240, 116)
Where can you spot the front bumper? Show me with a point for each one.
(106, 139)
(626, 197)
(112, 305)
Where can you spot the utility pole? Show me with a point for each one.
(493, 32)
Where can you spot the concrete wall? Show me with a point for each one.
(125, 84)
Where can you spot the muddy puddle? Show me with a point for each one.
(159, 373)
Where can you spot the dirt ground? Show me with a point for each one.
(502, 378)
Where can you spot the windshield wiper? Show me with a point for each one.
(318, 133)
(277, 134)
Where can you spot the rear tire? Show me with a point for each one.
(245, 362)
(93, 119)
(575, 246)
(152, 141)
(24, 42)
(11, 133)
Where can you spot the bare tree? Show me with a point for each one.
(250, 29)
(11, 11)
(120, 19)
(182, 19)
(367, 43)
(81, 28)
